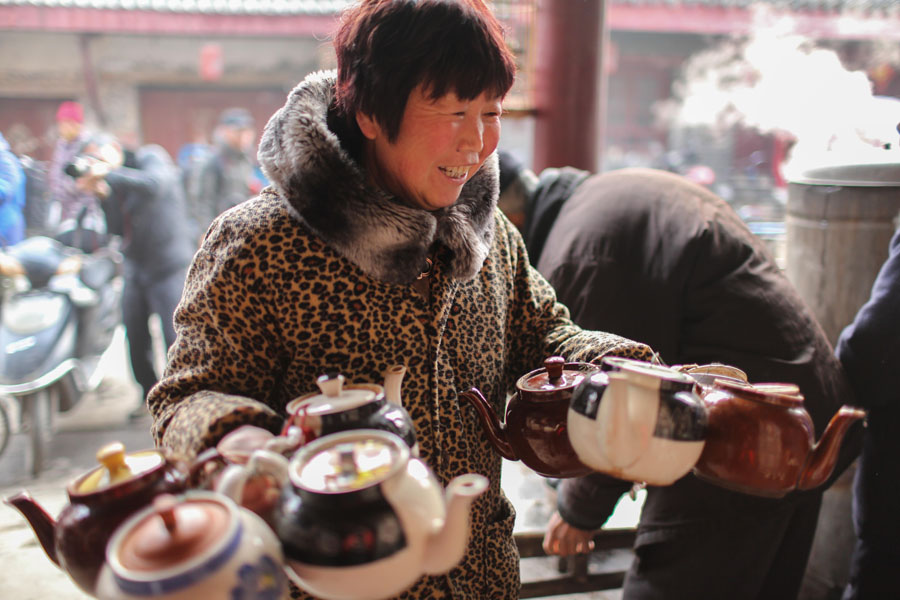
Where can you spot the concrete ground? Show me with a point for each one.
(27, 574)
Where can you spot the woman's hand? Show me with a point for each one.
(565, 540)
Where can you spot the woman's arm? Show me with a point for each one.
(225, 366)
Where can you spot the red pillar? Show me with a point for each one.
(569, 36)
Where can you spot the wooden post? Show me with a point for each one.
(567, 83)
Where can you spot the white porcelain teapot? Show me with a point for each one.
(359, 518)
(197, 545)
(638, 421)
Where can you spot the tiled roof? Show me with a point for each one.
(793, 5)
(326, 7)
(220, 7)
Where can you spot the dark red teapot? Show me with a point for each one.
(99, 501)
(535, 429)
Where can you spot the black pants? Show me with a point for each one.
(755, 557)
(142, 297)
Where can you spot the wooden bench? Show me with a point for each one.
(575, 577)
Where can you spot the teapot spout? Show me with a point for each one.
(824, 454)
(393, 378)
(43, 525)
(496, 431)
(446, 547)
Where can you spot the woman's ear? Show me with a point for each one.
(368, 126)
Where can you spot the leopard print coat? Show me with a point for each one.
(314, 275)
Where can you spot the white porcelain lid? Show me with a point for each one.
(348, 461)
(334, 397)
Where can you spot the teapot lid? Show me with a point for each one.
(172, 532)
(334, 396)
(555, 375)
(116, 467)
(781, 394)
(348, 461)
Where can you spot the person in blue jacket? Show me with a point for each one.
(869, 349)
(12, 196)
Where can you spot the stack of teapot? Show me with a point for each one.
(650, 423)
(347, 510)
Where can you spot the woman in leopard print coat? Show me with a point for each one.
(320, 273)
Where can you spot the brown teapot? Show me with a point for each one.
(535, 429)
(99, 501)
(760, 439)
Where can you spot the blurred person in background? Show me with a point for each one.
(76, 216)
(654, 257)
(144, 203)
(227, 175)
(869, 349)
(12, 196)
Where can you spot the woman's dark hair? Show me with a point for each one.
(386, 48)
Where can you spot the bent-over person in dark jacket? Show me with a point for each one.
(651, 256)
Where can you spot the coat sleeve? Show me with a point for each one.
(539, 326)
(225, 362)
(588, 502)
(869, 347)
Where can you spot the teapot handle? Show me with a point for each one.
(203, 468)
(262, 462)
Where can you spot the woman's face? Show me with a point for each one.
(441, 144)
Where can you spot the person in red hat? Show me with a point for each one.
(72, 208)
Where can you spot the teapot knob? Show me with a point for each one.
(164, 505)
(331, 384)
(554, 366)
(112, 457)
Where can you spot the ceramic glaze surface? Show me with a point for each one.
(243, 560)
(346, 407)
(99, 502)
(535, 429)
(360, 519)
(761, 440)
(757, 443)
(638, 422)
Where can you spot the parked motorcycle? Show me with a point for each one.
(59, 315)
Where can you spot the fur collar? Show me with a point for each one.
(327, 190)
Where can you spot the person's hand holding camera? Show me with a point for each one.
(89, 174)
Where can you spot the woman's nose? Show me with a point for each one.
(472, 135)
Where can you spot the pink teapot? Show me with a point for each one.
(199, 545)
(99, 501)
(359, 518)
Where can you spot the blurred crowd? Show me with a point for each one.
(42, 198)
(98, 192)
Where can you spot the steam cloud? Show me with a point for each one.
(776, 81)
